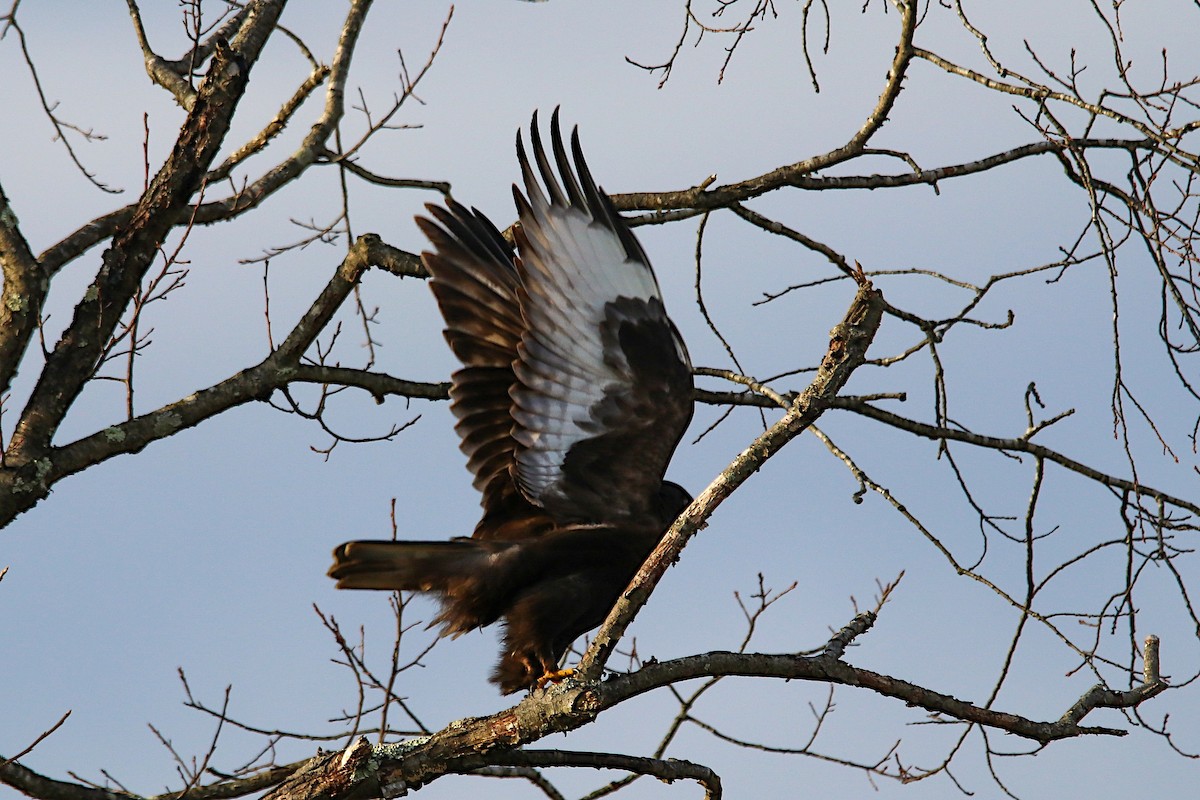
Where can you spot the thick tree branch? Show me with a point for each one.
(25, 287)
(363, 770)
(828, 668)
(39, 787)
(667, 770)
(689, 202)
(163, 205)
(173, 75)
(379, 180)
(158, 68)
(31, 784)
(273, 128)
(379, 384)
(24, 487)
(256, 192)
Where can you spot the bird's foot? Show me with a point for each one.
(554, 677)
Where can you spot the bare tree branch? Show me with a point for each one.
(848, 345)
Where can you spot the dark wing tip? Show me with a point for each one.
(457, 230)
(571, 185)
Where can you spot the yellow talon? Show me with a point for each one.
(554, 677)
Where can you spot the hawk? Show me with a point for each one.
(574, 391)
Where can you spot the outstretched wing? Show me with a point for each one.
(604, 383)
(575, 387)
(475, 283)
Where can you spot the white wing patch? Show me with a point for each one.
(573, 266)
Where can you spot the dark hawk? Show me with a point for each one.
(574, 392)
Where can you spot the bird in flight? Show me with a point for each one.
(574, 391)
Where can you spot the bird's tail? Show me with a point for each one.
(457, 571)
(410, 566)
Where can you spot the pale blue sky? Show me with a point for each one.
(207, 550)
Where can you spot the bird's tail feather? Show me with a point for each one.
(457, 571)
(409, 566)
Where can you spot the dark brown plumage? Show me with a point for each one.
(574, 392)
